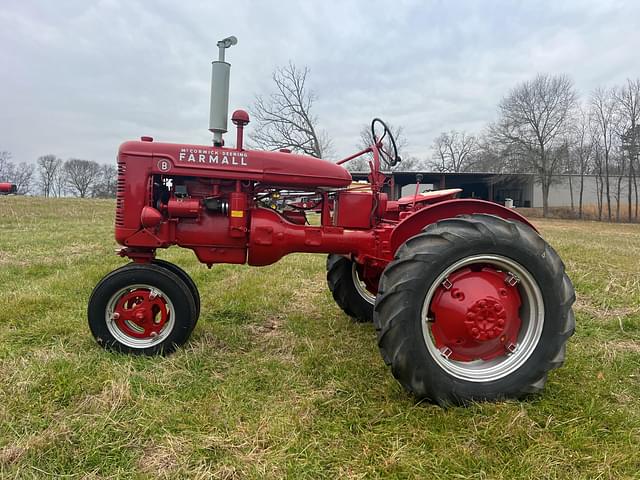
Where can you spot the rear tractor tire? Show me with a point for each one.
(474, 308)
(142, 309)
(348, 290)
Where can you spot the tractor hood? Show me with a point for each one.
(276, 168)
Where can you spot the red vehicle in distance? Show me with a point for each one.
(7, 188)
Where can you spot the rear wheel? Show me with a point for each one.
(349, 292)
(141, 309)
(474, 308)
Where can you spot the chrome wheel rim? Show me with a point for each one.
(121, 336)
(361, 288)
(531, 315)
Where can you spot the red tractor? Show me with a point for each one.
(7, 188)
(468, 301)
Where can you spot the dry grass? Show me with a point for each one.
(276, 382)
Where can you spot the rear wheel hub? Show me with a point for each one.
(482, 317)
(486, 319)
(475, 314)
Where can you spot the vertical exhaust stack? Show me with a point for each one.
(220, 92)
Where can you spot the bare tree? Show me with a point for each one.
(360, 164)
(454, 151)
(598, 169)
(620, 163)
(81, 175)
(628, 103)
(582, 151)
(23, 177)
(492, 155)
(605, 118)
(48, 169)
(285, 118)
(570, 168)
(60, 183)
(105, 184)
(410, 164)
(534, 120)
(6, 166)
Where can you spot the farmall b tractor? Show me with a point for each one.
(468, 301)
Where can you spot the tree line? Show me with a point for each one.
(51, 176)
(543, 128)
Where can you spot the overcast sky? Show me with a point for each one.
(79, 77)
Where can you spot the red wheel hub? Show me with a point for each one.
(475, 314)
(486, 319)
(141, 313)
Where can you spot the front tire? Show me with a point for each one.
(184, 276)
(474, 308)
(141, 309)
(348, 290)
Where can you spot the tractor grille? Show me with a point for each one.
(122, 168)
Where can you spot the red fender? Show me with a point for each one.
(413, 224)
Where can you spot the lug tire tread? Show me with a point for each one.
(183, 303)
(344, 291)
(401, 294)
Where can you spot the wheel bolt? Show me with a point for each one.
(446, 352)
(511, 280)
(115, 316)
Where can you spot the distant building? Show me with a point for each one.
(521, 188)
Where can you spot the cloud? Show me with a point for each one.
(79, 78)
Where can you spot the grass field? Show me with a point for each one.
(277, 382)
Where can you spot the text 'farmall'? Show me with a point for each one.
(214, 157)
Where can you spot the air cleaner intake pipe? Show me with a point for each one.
(220, 92)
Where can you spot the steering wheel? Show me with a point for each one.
(390, 158)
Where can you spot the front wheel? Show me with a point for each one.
(184, 276)
(474, 308)
(141, 309)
